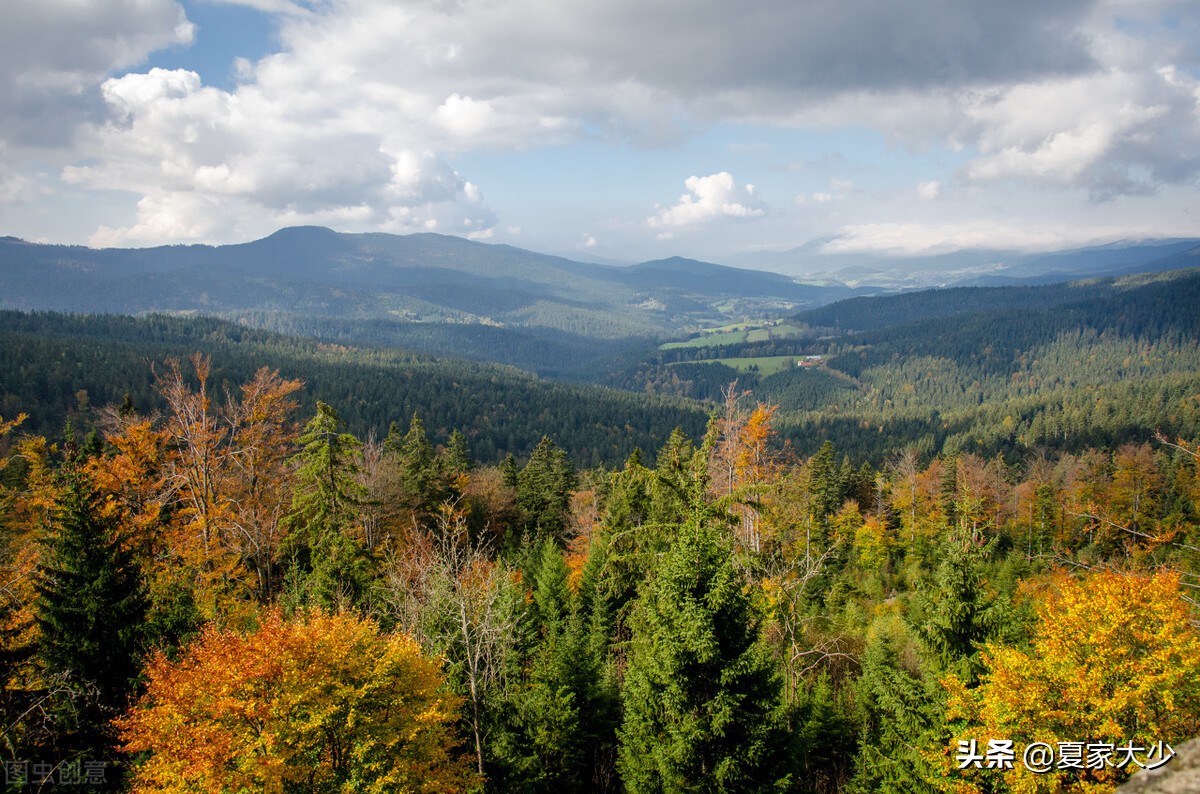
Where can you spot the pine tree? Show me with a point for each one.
(329, 566)
(418, 473)
(90, 613)
(544, 490)
(701, 698)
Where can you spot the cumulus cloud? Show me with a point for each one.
(930, 190)
(358, 114)
(915, 239)
(15, 188)
(710, 197)
(1116, 132)
(205, 159)
(55, 53)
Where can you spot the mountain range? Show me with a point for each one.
(450, 296)
(813, 263)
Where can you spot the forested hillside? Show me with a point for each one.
(920, 535)
(438, 294)
(989, 370)
(53, 366)
(236, 594)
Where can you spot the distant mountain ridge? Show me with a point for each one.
(981, 267)
(539, 312)
(421, 277)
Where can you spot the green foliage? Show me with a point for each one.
(90, 613)
(701, 698)
(902, 710)
(414, 459)
(958, 612)
(544, 490)
(330, 568)
(46, 359)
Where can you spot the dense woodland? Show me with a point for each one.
(234, 560)
(1007, 371)
(228, 592)
(53, 366)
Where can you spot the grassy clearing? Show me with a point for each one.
(737, 333)
(767, 365)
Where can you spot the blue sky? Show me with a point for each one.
(613, 129)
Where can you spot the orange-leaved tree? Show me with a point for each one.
(324, 704)
(1115, 660)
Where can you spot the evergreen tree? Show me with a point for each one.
(90, 613)
(827, 482)
(330, 567)
(902, 711)
(457, 458)
(509, 471)
(701, 698)
(549, 728)
(958, 613)
(904, 708)
(544, 490)
(418, 473)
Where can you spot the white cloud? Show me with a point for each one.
(239, 159)
(1104, 132)
(55, 53)
(15, 188)
(463, 117)
(359, 114)
(171, 216)
(930, 190)
(913, 239)
(268, 6)
(710, 197)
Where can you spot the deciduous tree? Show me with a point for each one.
(326, 704)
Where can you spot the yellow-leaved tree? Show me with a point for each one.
(1114, 661)
(324, 704)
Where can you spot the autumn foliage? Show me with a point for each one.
(326, 704)
(1114, 659)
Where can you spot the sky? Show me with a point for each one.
(604, 129)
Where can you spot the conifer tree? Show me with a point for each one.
(418, 474)
(330, 567)
(457, 458)
(90, 613)
(549, 725)
(544, 490)
(701, 698)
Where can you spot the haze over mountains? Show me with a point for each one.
(449, 296)
(420, 277)
(434, 293)
(812, 263)
(843, 363)
(313, 271)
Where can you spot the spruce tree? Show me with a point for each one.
(457, 458)
(701, 697)
(329, 567)
(547, 727)
(544, 490)
(90, 612)
(418, 473)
